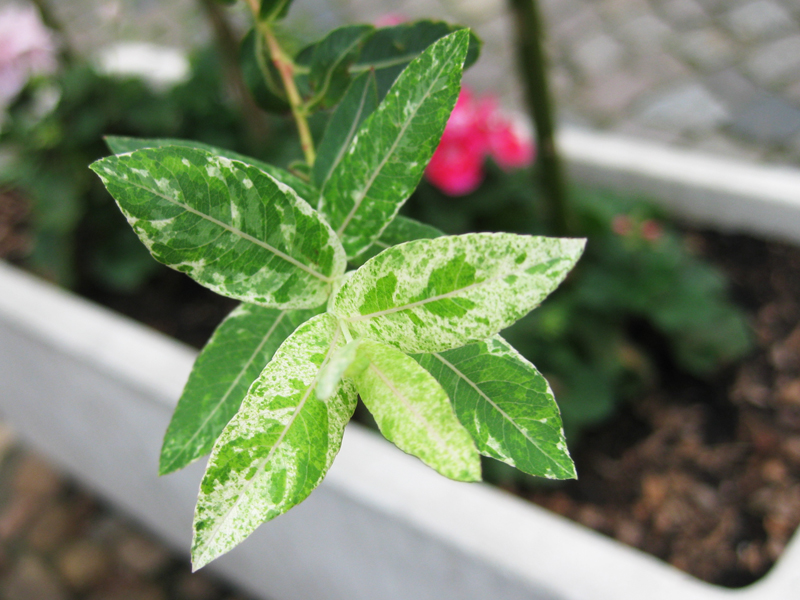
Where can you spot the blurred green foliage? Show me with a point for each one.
(56, 128)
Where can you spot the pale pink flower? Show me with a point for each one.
(390, 20)
(476, 129)
(27, 48)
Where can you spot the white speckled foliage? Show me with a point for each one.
(272, 391)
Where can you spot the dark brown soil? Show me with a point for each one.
(705, 475)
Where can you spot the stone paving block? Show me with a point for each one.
(690, 107)
(647, 31)
(777, 62)
(597, 55)
(83, 564)
(760, 20)
(618, 11)
(707, 49)
(611, 96)
(730, 85)
(684, 12)
(767, 119)
(576, 26)
(30, 579)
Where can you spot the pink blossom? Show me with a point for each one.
(476, 129)
(390, 20)
(27, 48)
(651, 230)
(622, 225)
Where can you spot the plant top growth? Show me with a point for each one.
(413, 330)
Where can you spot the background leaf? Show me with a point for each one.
(260, 74)
(438, 294)
(505, 404)
(413, 411)
(234, 356)
(328, 62)
(277, 448)
(228, 225)
(390, 49)
(272, 10)
(400, 230)
(389, 153)
(123, 145)
(358, 103)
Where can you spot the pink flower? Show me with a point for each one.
(622, 225)
(651, 230)
(27, 48)
(476, 129)
(390, 20)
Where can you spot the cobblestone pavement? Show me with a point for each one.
(718, 75)
(58, 542)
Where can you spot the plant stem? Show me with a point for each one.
(229, 49)
(285, 67)
(534, 74)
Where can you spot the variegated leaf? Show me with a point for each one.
(123, 145)
(438, 294)
(505, 404)
(334, 371)
(400, 230)
(228, 225)
(278, 447)
(234, 356)
(388, 155)
(413, 411)
(358, 103)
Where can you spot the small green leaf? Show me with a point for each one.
(228, 225)
(505, 404)
(123, 145)
(438, 294)
(234, 356)
(272, 10)
(413, 411)
(278, 447)
(400, 230)
(335, 370)
(358, 103)
(260, 74)
(328, 62)
(389, 153)
(390, 49)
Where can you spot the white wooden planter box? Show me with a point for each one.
(94, 392)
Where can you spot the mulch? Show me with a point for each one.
(705, 475)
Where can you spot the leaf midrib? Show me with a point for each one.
(235, 231)
(444, 296)
(399, 395)
(505, 415)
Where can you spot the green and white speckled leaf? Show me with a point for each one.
(123, 145)
(228, 225)
(400, 230)
(505, 404)
(358, 103)
(234, 356)
(437, 294)
(388, 155)
(413, 411)
(278, 447)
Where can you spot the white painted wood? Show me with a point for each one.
(94, 392)
(706, 189)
